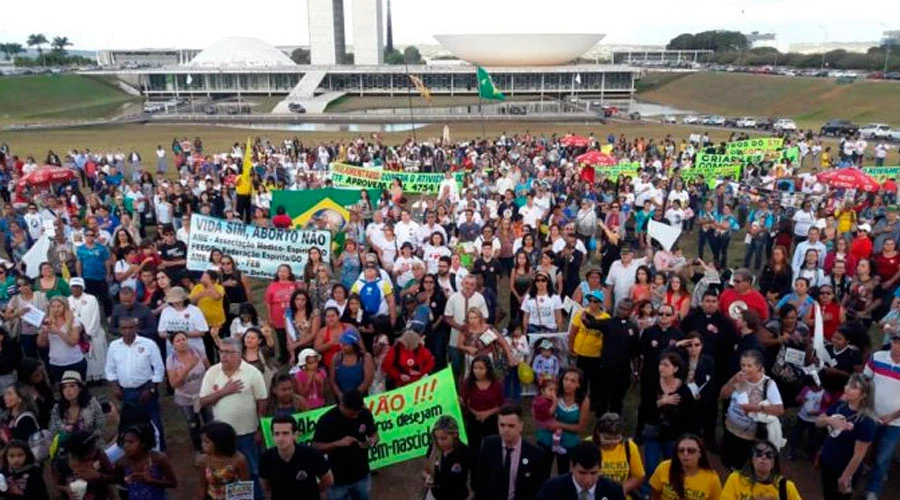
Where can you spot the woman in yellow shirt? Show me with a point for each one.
(209, 297)
(689, 475)
(621, 457)
(761, 478)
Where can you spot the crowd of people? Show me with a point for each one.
(536, 280)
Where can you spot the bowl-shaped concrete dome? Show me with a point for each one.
(519, 49)
(237, 52)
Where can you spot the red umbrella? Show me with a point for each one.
(45, 175)
(594, 157)
(578, 141)
(849, 178)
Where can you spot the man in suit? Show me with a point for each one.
(510, 468)
(584, 482)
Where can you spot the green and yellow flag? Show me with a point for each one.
(486, 88)
(421, 87)
(244, 185)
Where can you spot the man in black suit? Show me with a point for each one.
(509, 468)
(584, 482)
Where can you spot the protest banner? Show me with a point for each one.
(404, 418)
(306, 205)
(711, 173)
(758, 144)
(358, 177)
(257, 251)
(710, 160)
(792, 154)
(665, 234)
(882, 174)
(614, 171)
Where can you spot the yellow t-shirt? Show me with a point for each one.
(617, 468)
(705, 485)
(588, 343)
(845, 220)
(738, 487)
(213, 310)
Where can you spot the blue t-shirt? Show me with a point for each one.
(93, 261)
(837, 451)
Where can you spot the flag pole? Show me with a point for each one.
(412, 118)
(480, 104)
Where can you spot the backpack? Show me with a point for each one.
(370, 296)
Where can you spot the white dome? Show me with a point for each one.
(519, 49)
(239, 52)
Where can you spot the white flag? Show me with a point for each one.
(663, 233)
(189, 79)
(578, 79)
(35, 256)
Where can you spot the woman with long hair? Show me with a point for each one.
(667, 415)
(19, 418)
(520, 279)
(688, 475)
(313, 262)
(301, 323)
(20, 304)
(278, 299)
(841, 252)
(851, 425)
(185, 369)
(236, 284)
(640, 291)
(77, 409)
(481, 399)
(678, 297)
(863, 297)
(547, 265)
(320, 287)
(349, 262)
(328, 335)
(352, 367)
(506, 236)
(573, 408)
(761, 477)
(621, 458)
(61, 334)
(436, 340)
(51, 284)
(221, 462)
(449, 462)
(542, 307)
(777, 275)
(481, 339)
(761, 394)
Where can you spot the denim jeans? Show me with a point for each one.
(360, 490)
(246, 444)
(152, 407)
(194, 422)
(707, 237)
(886, 439)
(457, 362)
(755, 248)
(512, 388)
(655, 452)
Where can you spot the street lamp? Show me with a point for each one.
(824, 50)
(887, 47)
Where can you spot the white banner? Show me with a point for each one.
(665, 234)
(257, 251)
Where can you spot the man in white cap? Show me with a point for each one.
(86, 310)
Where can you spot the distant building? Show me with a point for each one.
(145, 57)
(818, 48)
(891, 38)
(661, 57)
(368, 32)
(327, 44)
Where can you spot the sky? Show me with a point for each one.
(116, 24)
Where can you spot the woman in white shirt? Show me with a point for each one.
(61, 333)
(675, 214)
(541, 308)
(433, 251)
(247, 318)
(182, 316)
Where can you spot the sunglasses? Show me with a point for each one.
(688, 451)
(666, 314)
(540, 280)
(593, 300)
(768, 454)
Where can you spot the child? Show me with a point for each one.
(24, 477)
(544, 410)
(518, 344)
(310, 380)
(282, 400)
(545, 365)
(658, 290)
(144, 472)
(380, 347)
(813, 401)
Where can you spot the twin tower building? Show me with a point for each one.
(327, 43)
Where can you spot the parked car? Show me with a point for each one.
(690, 119)
(669, 119)
(838, 128)
(765, 123)
(894, 135)
(296, 107)
(875, 131)
(634, 115)
(716, 120)
(731, 122)
(784, 124)
(609, 111)
(746, 122)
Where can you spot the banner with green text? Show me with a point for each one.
(404, 418)
(709, 160)
(359, 177)
(758, 144)
(712, 173)
(614, 171)
(882, 174)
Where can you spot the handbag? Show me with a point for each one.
(784, 370)
(84, 342)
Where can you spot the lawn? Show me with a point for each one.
(810, 101)
(349, 103)
(59, 97)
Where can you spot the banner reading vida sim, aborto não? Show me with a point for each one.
(257, 251)
(403, 418)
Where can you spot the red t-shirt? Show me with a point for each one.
(861, 248)
(278, 297)
(483, 400)
(731, 303)
(886, 267)
(282, 221)
(831, 319)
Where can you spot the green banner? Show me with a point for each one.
(709, 160)
(758, 144)
(359, 177)
(404, 418)
(882, 174)
(614, 171)
(712, 173)
(792, 154)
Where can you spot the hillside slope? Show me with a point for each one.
(59, 97)
(810, 101)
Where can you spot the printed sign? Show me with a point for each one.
(712, 173)
(709, 160)
(758, 144)
(241, 490)
(257, 251)
(404, 418)
(358, 177)
(614, 171)
(882, 174)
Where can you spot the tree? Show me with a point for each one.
(59, 44)
(300, 56)
(684, 41)
(37, 40)
(411, 55)
(393, 57)
(715, 40)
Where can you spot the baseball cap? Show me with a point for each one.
(76, 282)
(596, 294)
(307, 353)
(350, 337)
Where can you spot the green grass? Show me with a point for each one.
(59, 97)
(810, 101)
